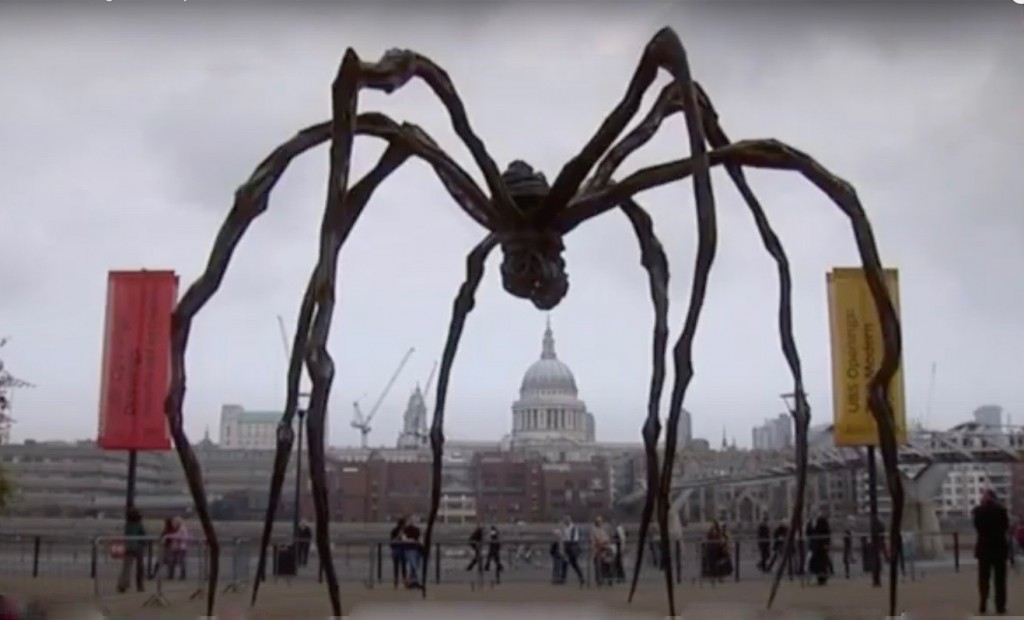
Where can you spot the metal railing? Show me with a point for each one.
(373, 564)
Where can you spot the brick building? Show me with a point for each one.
(506, 487)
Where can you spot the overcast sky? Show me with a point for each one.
(126, 126)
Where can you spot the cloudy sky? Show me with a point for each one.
(127, 125)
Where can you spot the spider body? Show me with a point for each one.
(532, 267)
(528, 219)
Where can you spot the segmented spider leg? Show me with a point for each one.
(285, 435)
(464, 302)
(800, 412)
(707, 242)
(395, 68)
(319, 363)
(652, 256)
(772, 154)
(665, 51)
(250, 201)
(393, 157)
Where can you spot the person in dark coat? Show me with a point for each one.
(764, 544)
(819, 540)
(399, 566)
(991, 548)
(476, 540)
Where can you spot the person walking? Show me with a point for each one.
(819, 541)
(991, 547)
(476, 541)
(134, 550)
(764, 544)
(494, 553)
(572, 547)
(559, 563)
(619, 540)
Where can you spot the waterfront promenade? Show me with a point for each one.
(945, 596)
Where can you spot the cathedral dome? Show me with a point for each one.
(548, 375)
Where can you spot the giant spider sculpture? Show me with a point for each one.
(528, 219)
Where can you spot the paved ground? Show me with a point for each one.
(945, 596)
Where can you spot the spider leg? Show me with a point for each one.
(396, 68)
(319, 363)
(772, 154)
(250, 201)
(665, 51)
(393, 157)
(652, 256)
(464, 302)
(801, 412)
(669, 102)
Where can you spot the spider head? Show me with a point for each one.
(533, 267)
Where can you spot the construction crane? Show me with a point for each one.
(361, 421)
(7, 382)
(430, 379)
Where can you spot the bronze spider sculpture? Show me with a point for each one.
(528, 219)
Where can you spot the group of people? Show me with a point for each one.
(813, 549)
(174, 542)
(406, 540)
(607, 547)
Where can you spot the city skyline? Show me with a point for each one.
(165, 133)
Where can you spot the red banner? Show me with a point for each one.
(136, 360)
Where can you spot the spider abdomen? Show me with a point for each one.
(533, 267)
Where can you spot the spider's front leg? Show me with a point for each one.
(665, 50)
(464, 302)
(801, 410)
(392, 158)
(319, 362)
(251, 200)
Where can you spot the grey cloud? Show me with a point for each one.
(130, 137)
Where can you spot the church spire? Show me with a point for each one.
(547, 351)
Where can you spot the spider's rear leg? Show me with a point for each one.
(652, 256)
(464, 302)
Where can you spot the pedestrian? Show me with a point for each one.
(619, 540)
(819, 540)
(476, 541)
(303, 542)
(992, 529)
(601, 548)
(572, 547)
(177, 547)
(764, 544)
(397, 543)
(494, 553)
(559, 563)
(134, 550)
(413, 553)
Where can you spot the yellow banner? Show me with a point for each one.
(856, 355)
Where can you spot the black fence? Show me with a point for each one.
(373, 563)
